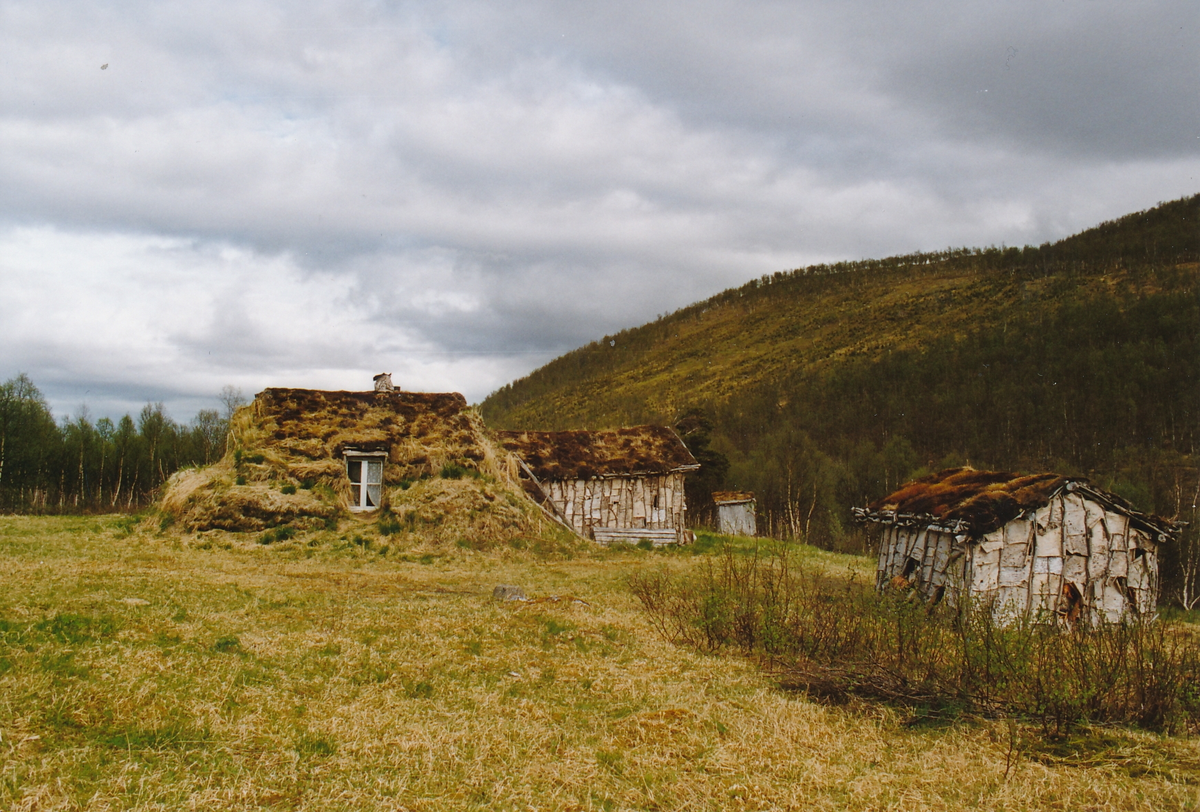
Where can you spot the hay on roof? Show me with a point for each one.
(286, 465)
(633, 451)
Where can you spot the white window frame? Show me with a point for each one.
(368, 488)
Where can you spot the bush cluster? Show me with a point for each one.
(836, 638)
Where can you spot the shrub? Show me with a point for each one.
(837, 638)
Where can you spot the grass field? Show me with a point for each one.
(140, 671)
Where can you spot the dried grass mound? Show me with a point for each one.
(285, 466)
(476, 513)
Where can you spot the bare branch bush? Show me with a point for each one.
(835, 638)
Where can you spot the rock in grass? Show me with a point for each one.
(507, 592)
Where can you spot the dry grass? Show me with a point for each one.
(148, 673)
(443, 480)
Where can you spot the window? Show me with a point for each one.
(365, 470)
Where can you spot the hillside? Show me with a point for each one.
(828, 384)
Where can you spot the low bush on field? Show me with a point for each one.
(836, 638)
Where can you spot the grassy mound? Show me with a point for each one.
(285, 468)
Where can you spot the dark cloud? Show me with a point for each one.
(265, 194)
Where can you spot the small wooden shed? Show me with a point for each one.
(613, 485)
(735, 513)
(1042, 546)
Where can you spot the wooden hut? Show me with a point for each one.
(735, 513)
(1044, 546)
(615, 485)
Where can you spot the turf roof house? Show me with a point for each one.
(305, 457)
(1042, 546)
(614, 485)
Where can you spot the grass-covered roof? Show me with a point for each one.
(286, 467)
(983, 501)
(633, 451)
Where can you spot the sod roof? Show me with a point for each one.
(732, 497)
(633, 451)
(356, 418)
(983, 501)
(286, 462)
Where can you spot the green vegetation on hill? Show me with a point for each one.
(829, 385)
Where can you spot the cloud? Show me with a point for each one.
(305, 194)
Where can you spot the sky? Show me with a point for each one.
(256, 193)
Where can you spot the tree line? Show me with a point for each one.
(81, 464)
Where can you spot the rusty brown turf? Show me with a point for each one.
(560, 455)
(985, 500)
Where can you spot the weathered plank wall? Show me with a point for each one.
(737, 519)
(1073, 558)
(655, 502)
(928, 559)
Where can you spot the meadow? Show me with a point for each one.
(142, 669)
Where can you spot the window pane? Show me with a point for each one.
(354, 468)
(374, 472)
(372, 496)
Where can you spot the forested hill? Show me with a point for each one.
(828, 385)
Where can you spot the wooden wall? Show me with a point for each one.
(1072, 559)
(654, 502)
(737, 519)
(922, 558)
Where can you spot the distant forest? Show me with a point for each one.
(81, 465)
(827, 387)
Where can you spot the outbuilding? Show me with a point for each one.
(735, 513)
(1042, 546)
(613, 485)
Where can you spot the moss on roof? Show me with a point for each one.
(421, 431)
(286, 465)
(637, 450)
(987, 500)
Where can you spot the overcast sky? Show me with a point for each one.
(306, 193)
